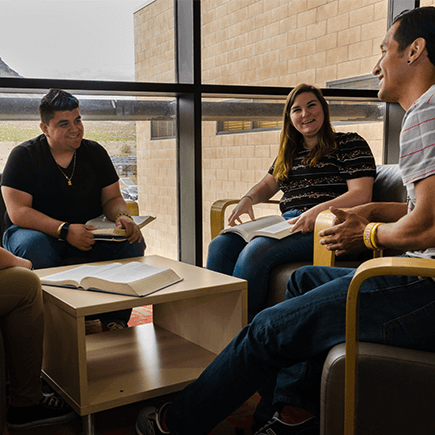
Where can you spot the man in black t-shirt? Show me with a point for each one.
(53, 184)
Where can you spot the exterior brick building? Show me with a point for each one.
(248, 42)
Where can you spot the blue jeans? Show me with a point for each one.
(45, 251)
(394, 310)
(230, 254)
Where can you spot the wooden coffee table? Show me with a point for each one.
(193, 321)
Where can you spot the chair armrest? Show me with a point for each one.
(133, 208)
(375, 267)
(321, 255)
(217, 214)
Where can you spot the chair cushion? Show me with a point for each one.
(396, 387)
(388, 185)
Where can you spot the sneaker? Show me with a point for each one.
(149, 420)
(51, 409)
(277, 427)
(113, 325)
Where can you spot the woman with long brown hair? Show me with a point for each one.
(315, 168)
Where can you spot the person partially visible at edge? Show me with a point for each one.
(315, 169)
(299, 332)
(53, 184)
(22, 327)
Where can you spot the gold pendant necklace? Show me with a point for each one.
(72, 173)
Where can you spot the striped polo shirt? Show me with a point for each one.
(417, 150)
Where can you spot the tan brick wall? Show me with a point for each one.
(248, 42)
(154, 42)
(271, 42)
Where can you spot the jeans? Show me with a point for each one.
(230, 254)
(46, 251)
(394, 310)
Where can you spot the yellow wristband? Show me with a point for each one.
(366, 236)
(370, 239)
(373, 236)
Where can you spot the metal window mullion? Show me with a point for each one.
(189, 146)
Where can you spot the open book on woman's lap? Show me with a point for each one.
(274, 226)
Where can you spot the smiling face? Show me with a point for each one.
(65, 131)
(391, 69)
(306, 115)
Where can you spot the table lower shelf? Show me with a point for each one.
(135, 364)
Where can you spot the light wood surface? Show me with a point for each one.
(193, 321)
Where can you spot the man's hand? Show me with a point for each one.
(80, 237)
(133, 232)
(346, 236)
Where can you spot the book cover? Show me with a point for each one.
(107, 230)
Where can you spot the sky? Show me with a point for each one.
(69, 39)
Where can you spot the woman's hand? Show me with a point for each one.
(244, 206)
(304, 222)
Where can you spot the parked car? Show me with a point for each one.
(130, 190)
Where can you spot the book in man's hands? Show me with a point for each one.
(107, 230)
(131, 279)
(274, 226)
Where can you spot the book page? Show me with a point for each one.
(281, 227)
(126, 273)
(76, 274)
(247, 228)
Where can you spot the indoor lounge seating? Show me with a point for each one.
(387, 187)
(389, 390)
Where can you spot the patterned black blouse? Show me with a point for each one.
(307, 186)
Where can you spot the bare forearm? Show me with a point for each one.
(7, 259)
(407, 233)
(115, 207)
(346, 200)
(386, 211)
(27, 217)
(261, 192)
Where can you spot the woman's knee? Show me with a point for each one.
(224, 249)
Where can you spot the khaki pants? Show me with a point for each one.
(22, 325)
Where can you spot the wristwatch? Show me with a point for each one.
(63, 231)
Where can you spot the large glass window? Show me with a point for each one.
(122, 56)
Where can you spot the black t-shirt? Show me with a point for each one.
(31, 168)
(307, 186)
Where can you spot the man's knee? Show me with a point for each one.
(298, 279)
(32, 245)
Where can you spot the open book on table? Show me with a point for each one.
(131, 279)
(107, 229)
(274, 226)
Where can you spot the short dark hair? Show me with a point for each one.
(416, 23)
(56, 100)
